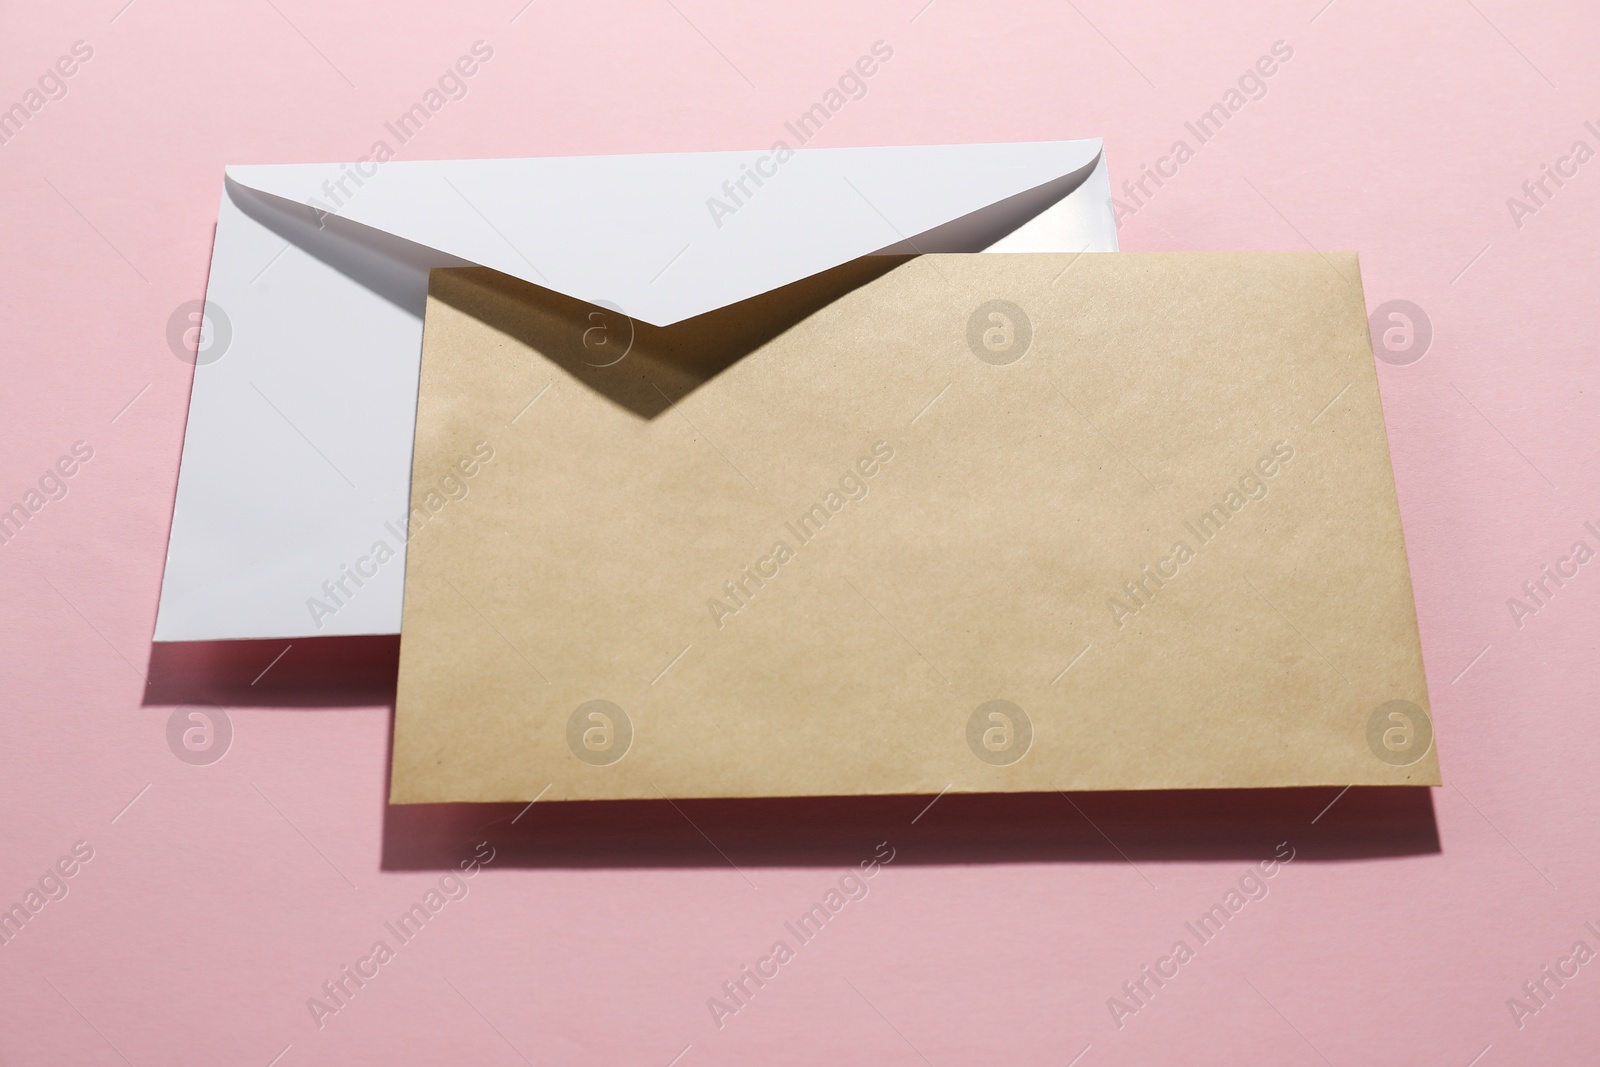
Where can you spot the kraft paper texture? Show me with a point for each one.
(976, 523)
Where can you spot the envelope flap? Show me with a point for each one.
(666, 237)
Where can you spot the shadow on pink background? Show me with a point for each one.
(218, 899)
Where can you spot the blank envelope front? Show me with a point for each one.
(979, 523)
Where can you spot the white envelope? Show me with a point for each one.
(297, 454)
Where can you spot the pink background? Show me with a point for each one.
(225, 895)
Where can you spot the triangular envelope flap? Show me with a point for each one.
(670, 236)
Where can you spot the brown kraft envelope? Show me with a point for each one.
(978, 523)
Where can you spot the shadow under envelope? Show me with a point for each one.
(1112, 827)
